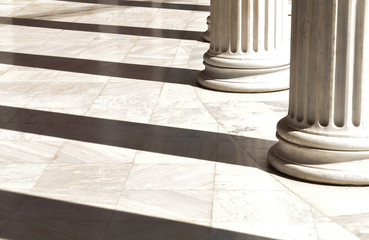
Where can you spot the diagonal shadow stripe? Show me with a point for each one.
(102, 68)
(113, 29)
(32, 217)
(146, 4)
(139, 136)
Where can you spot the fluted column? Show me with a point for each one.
(249, 46)
(206, 35)
(325, 136)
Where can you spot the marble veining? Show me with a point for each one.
(105, 134)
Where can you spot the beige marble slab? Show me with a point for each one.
(133, 108)
(263, 207)
(171, 177)
(81, 152)
(22, 176)
(331, 230)
(185, 206)
(145, 157)
(119, 86)
(62, 101)
(235, 177)
(332, 201)
(74, 176)
(28, 151)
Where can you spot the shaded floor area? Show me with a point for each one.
(105, 134)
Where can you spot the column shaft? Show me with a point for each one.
(249, 46)
(325, 136)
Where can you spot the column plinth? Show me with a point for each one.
(325, 136)
(249, 46)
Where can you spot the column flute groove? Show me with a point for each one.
(240, 58)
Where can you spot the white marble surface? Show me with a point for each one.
(123, 144)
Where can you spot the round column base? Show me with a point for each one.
(251, 83)
(300, 163)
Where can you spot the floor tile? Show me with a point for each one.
(171, 177)
(185, 206)
(20, 176)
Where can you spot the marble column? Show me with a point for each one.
(249, 46)
(206, 35)
(325, 136)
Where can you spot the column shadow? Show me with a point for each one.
(112, 29)
(30, 217)
(202, 145)
(102, 68)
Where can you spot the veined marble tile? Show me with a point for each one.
(102, 57)
(21, 75)
(171, 177)
(186, 206)
(59, 49)
(120, 86)
(76, 37)
(331, 230)
(167, 19)
(266, 208)
(21, 176)
(191, 118)
(69, 88)
(197, 22)
(135, 17)
(178, 89)
(332, 201)
(63, 13)
(80, 77)
(356, 224)
(4, 68)
(93, 197)
(80, 152)
(235, 177)
(62, 101)
(28, 151)
(75, 176)
(134, 108)
(18, 88)
(150, 60)
(115, 46)
(319, 217)
(103, 14)
(164, 48)
(160, 158)
(173, 101)
(36, 8)
(146, 230)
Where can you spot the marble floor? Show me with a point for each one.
(105, 134)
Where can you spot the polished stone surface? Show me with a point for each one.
(105, 134)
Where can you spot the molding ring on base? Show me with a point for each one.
(318, 173)
(269, 82)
